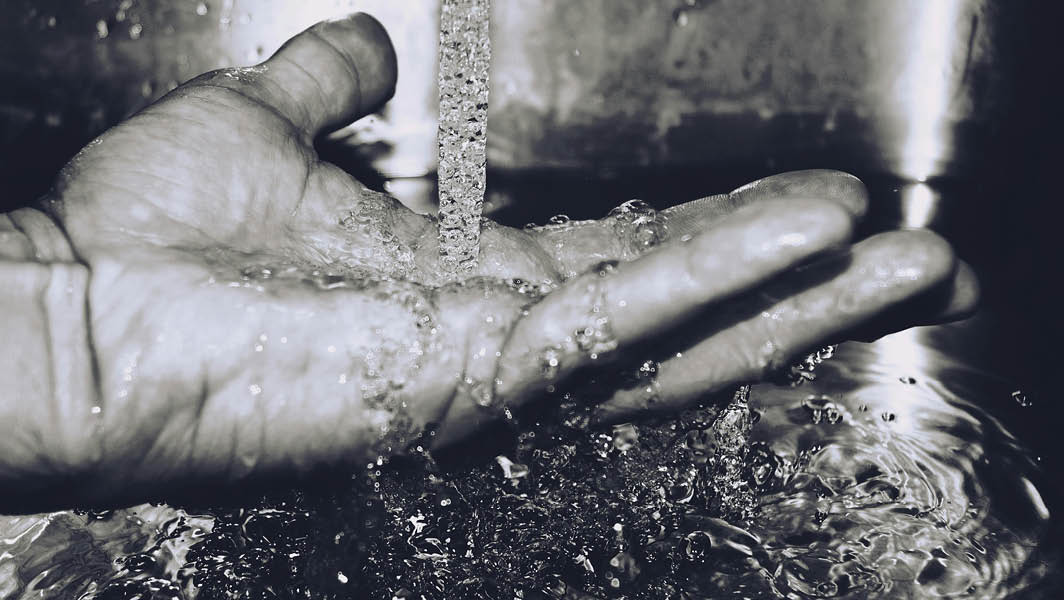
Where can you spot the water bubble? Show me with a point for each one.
(135, 31)
(822, 408)
(596, 337)
(528, 288)
(804, 370)
(638, 225)
(605, 268)
(559, 220)
(763, 463)
(827, 589)
(648, 370)
(550, 362)
(101, 29)
(202, 8)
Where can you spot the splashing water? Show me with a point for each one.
(938, 502)
(465, 55)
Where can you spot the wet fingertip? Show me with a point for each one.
(919, 255)
(967, 291)
(934, 254)
(811, 223)
(365, 43)
(839, 187)
(850, 192)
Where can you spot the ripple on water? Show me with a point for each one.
(938, 502)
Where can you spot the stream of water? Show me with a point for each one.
(465, 57)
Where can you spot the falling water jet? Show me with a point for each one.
(465, 55)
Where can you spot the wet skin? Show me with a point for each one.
(251, 311)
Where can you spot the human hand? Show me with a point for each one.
(250, 311)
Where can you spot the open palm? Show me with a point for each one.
(254, 311)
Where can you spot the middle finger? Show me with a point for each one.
(600, 311)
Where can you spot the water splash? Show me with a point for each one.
(938, 502)
(730, 494)
(638, 225)
(465, 55)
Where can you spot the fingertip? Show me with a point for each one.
(331, 74)
(837, 186)
(808, 223)
(931, 252)
(919, 257)
(966, 292)
(370, 49)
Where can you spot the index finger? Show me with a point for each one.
(577, 246)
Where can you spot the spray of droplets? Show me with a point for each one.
(731, 492)
(465, 54)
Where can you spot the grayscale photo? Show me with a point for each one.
(530, 299)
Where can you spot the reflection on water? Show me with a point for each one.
(878, 479)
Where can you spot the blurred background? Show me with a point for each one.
(946, 108)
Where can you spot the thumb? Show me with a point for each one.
(322, 79)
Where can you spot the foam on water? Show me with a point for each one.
(465, 55)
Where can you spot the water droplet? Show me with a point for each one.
(135, 31)
(549, 362)
(888, 417)
(101, 29)
(481, 392)
(605, 268)
(681, 17)
(648, 371)
(202, 9)
(511, 470)
(637, 223)
(1021, 399)
(907, 380)
(559, 220)
(822, 408)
